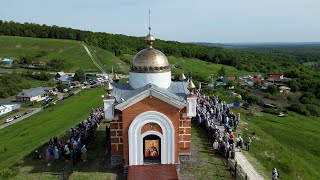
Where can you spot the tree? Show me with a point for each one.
(58, 64)
(26, 59)
(294, 85)
(272, 89)
(222, 71)
(79, 75)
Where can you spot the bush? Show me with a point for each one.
(58, 64)
(270, 111)
(274, 111)
(5, 173)
(61, 87)
(299, 108)
(272, 89)
(306, 100)
(313, 109)
(251, 99)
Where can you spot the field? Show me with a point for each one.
(68, 50)
(95, 167)
(196, 66)
(192, 67)
(204, 164)
(291, 144)
(22, 138)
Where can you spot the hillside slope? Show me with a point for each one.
(68, 50)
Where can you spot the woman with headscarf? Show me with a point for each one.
(84, 153)
(275, 174)
(48, 156)
(67, 153)
(56, 152)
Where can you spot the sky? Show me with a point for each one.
(215, 21)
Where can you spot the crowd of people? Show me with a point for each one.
(75, 147)
(210, 115)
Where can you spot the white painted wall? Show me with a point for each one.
(138, 80)
(5, 109)
(38, 98)
(192, 106)
(108, 108)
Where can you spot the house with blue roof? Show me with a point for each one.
(33, 94)
(7, 61)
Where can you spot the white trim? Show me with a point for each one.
(150, 92)
(135, 137)
(138, 80)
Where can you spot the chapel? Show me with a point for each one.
(150, 116)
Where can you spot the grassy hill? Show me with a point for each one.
(68, 50)
(21, 138)
(196, 68)
(74, 53)
(290, 144)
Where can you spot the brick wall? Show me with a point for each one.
(116, 134)
(120, 126)
(184, 133)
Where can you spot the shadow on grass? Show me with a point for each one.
(98, 159)
(204, 163)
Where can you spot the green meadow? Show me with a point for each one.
(290, 144)
(22, 138)
(67, 50)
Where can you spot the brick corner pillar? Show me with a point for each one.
(185, 138)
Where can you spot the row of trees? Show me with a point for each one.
(11, 84)
(288, 60)
(121, 44)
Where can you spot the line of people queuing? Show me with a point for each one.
(75, 146)
(210, 115)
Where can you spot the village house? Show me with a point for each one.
(7, 61)
(33, 94)
(222, 81)
(8, 107)
(64, 78)
(38, 63)
(278, 79)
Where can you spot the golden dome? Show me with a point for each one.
(191, 86)
(182, 77)
(150, 60)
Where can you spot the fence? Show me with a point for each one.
(236, 170)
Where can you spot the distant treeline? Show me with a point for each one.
(306, 75)
(121, 44)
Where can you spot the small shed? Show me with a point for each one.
(7, 61)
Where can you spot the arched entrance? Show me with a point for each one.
(136, 139)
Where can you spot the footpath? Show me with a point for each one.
(243, 162)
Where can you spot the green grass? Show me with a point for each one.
(192, 67)
(290, 144)
(22, 138)
(204, 164)
(71, 51)
(196, 66)
(93, 168)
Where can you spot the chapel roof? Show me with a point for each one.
(176, 92)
